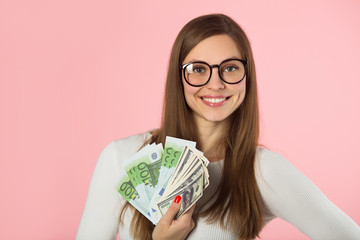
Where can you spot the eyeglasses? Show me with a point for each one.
(198, 73)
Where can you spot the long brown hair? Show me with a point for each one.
(238, 205)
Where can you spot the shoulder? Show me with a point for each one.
(131, 143)
(121, 149)
(274, 172)
(264, 155)
(270, 163)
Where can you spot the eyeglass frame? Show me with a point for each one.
(183, 67)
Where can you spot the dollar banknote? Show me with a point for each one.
(186, 180)
(189, 163)
(189, 195)
(185, 159)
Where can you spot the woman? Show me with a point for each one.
(211, 98)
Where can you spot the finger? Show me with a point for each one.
(186, 222)
(172, 211)
(188, 215)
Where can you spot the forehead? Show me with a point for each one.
(214, 50)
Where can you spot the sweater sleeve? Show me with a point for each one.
(288, 194)
(100, 216)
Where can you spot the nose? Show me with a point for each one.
(215, 81)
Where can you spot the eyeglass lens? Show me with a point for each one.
(198, 73)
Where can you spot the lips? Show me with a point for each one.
(214, 101)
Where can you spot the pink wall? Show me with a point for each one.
(75, 75)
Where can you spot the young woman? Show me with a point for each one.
(211, 98)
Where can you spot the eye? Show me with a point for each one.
(198, 69)
(230, 68)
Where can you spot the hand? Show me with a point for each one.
(168, 228)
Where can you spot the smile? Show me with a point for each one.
(214, 101)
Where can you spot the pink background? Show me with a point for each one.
(78, 74)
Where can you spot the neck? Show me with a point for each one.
(211, 138)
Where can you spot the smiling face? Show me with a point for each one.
(217, 100)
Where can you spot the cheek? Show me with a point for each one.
(240, 91)
(189, 92)
(240, 88)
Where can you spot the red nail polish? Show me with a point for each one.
(177, 199)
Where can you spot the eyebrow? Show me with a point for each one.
(199, 60)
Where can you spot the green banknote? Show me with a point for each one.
(128, 191)
(171, 155)
(143, 169)
(146, 180)
(172, 151)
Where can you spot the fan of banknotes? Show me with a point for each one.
(154, 176)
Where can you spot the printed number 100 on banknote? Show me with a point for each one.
(143, 170)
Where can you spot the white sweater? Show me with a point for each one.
(286, 193)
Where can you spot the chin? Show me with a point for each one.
(212, 116)
(216, 118)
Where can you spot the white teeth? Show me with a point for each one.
(214, 100)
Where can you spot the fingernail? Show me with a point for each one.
(177, 199)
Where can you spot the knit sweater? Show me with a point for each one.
(286, 193)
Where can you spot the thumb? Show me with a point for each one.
(172, 211)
